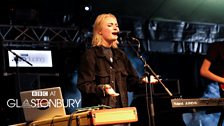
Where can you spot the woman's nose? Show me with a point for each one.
(116, 28)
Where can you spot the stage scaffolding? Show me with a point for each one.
(31, 36)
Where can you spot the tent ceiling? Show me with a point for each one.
(209, 11)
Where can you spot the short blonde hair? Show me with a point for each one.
(97, 38)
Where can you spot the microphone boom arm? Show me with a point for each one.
(155, 75)
(151, 116)
(19, 57)
(147, 66)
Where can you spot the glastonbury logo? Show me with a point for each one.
(42, 101)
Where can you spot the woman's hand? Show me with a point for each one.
(110, 91)
(153, 80)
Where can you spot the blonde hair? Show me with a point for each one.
(97, 38)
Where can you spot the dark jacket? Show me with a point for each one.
(96, 69)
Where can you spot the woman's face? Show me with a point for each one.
(110, 29)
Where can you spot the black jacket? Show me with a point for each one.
(96, 69)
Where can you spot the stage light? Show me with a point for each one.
(87, 7)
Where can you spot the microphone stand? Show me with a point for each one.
(18, 86)
(147, 67)
(17, 57)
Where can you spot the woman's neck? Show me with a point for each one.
(106, 44)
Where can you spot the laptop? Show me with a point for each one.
(42, 104)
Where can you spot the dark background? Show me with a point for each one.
(167, 30)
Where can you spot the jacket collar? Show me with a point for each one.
(99, 52)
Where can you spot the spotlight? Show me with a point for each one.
(84, 13)
(87, 7)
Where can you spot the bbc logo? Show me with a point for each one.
(39, 93)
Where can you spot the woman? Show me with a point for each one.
(105, 73)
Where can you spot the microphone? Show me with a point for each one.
(126, 35)
(134, 39)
